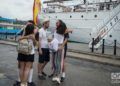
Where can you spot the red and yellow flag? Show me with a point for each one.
(36, 10)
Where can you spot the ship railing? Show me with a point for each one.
(110, 16)
(107, 19)
(106, 28)
(89, 7)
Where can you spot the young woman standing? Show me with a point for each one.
(26, 61)
(58, 56)
(62, 35)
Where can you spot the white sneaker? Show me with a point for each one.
(58, 80)
(26, 84)
(23, 84)
(63, 74)
(54, 78)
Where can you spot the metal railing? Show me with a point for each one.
(101, 6)
(100, 36)
(115, 45)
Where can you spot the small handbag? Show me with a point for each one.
(24, 47)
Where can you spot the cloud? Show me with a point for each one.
(20, 9)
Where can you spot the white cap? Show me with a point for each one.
(45, 20)
(42, 19)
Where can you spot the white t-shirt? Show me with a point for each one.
(53, 45)
(59, 37)
(33, 47)
(43, 38)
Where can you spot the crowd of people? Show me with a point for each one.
(49, 48)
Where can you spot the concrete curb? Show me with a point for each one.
(96, 54)
(12, 44)
(91, 58)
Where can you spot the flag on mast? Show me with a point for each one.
(36, 10)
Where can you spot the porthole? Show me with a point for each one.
(111, 23)
(82, 16)
(110, 36)
(95, 16)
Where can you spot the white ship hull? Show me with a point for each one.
(84, 24)
(82, 27)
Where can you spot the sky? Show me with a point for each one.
(20, 9)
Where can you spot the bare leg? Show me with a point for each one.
(18, 71)
(30, 75)
(28, 66)
(21, 72)
(64, 67)
(43, 66)
(40, 65)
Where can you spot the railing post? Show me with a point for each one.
(103, 46)
(92, 45)
(115, 41)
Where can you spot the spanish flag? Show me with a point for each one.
(36, 10)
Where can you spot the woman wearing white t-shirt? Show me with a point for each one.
(58, 40)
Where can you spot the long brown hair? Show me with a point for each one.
(62, 27)
(29, 29)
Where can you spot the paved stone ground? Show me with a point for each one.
(79, 72)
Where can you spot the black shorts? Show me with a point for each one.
(25, 58)
(45, 57)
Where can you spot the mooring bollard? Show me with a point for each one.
(115, 41)
(103, 46)
(92, 45)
